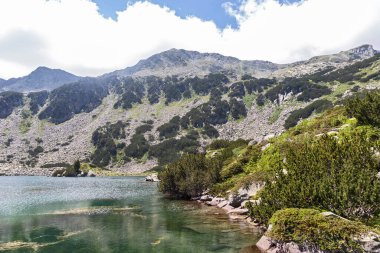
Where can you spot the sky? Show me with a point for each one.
(92, 37)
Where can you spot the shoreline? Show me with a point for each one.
(48, 172)
(234, 213)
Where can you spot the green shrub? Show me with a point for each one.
(297, 85)
(237, 109)
(37, 100)
(171, 149)
(170, 129)
(189, 176)
(326, 173)
(138, 147)
(231, 170)
(210, 131)
(260, 100)
(104, 141)
(309, 227)
(70, 99)
(317, 106)
(366, 109)
(143, 129)
(9, 100)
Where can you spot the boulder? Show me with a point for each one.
(206, 198)
(239, 211)
(265, 243)
(91, 174)
(152, 178)
(228, 208)
(215, 201)
(223, 204)
(235, 200)
(370, 242)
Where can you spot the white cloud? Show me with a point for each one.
(72, 35)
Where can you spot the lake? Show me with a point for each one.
(110, 214)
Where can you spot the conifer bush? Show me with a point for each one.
(332, 174)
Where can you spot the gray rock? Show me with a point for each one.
(265, 243)
(215, 201)
(240, 211)
(223, 204)
(152, 178)
(206, 198)
(244, 193)
(228, 208)
(235, 200)
(91, 174)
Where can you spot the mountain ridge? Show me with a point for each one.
(189, 63)
(42, 78)
(134, 123)
(185, 63)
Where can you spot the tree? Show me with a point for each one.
(260, 100)
(77, 166)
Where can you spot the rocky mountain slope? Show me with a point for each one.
(42, 78)
(172, 103)
(192, 63)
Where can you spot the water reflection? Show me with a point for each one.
(139, 222)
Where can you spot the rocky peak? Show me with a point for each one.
(364, 51)
(42, 78)
(184, 63)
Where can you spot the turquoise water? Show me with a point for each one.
(118, 215)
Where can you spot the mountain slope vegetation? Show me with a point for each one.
(162, 117)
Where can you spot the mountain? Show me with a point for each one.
(316, 63)
(191, 63)
(174, 102)
(182, 62)
(42, 78)
(362, 52)
(2, 81)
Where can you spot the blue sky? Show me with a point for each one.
(209, 10)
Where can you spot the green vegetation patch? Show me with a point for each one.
(317, 106)
(310, 227)
(9, 100)
(365, 108)
(328, 173)
(71, 99)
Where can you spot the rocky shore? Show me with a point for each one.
(369, 242)
(235, 204)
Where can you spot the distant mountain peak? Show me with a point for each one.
(357, 53)
(189, 63)
(42, 78)
(363, 51)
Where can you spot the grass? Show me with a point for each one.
(25, 124)
(275, 115)
(144, 159)
(249, 99)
